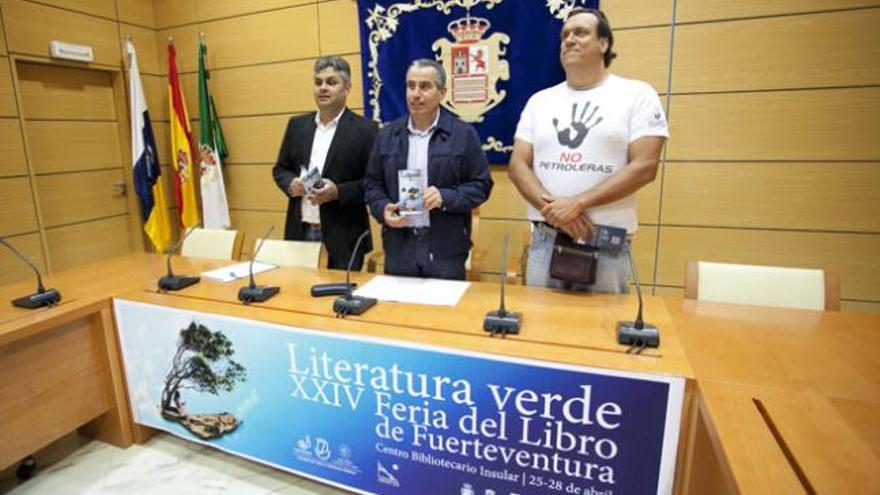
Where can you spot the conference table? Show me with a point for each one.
(776, 400)
(788, 398)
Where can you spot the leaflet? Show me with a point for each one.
(412, 192)
(236, 271)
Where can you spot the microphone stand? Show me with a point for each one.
(502, 321)
(43, 296)
(637, 333)
(254, 292)
(172, 282)
(349, 304)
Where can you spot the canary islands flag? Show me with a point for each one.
(145, 161)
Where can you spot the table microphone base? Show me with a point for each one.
(257, 293)
(628, 334)
(50, 297)
(176, 282)
(352, 305)
(503, 322)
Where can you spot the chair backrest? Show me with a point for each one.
(291, 253)
(799, 288)
(526, 238)
(473, 265)
(215, 244)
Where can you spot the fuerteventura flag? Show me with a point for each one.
(145, 161)
(181, 148)
(212, 147)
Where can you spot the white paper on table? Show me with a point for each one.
(237, 271)
(414, 290)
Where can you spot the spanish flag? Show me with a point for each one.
(145, 161)
(181, 148)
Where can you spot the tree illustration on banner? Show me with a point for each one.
(203, 363)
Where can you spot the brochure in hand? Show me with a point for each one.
(312, 179)
(412, 192)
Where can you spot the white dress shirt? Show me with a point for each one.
(320, 146)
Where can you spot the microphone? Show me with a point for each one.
(502, 321)
(43, 296)
(254, 292)
(637, 333)
(349, 304)
(171, 281)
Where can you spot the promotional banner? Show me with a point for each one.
(496, 54)
(378, 416)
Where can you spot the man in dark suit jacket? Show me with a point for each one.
(338, 143)
(448, 154)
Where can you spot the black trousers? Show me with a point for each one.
(414, 259)
(337, 264)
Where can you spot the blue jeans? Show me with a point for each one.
(612, 271)
(312, 232)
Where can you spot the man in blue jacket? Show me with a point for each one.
(447, 151)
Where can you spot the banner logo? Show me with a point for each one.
(384, 476)
(203, 362)
(475, 66)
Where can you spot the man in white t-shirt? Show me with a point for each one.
(582, 150)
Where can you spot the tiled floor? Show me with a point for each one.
(165, 465)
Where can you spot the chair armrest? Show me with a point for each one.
(373, 259)
(514, 268)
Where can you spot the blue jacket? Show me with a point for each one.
(457, 167)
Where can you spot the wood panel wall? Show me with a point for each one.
(774, 154)
(261, 56)
(63, 155)
(773, 109)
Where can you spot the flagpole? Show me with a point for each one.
(127, 52)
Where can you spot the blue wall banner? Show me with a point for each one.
(378, 416)
(497, 54)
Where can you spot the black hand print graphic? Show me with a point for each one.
(574, 135)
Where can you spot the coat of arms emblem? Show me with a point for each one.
(474, 66)
(207, 164)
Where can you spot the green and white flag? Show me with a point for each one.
(212, 147)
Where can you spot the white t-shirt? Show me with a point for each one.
(580, 138)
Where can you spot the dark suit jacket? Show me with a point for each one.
(457, 167)
(344, 219)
